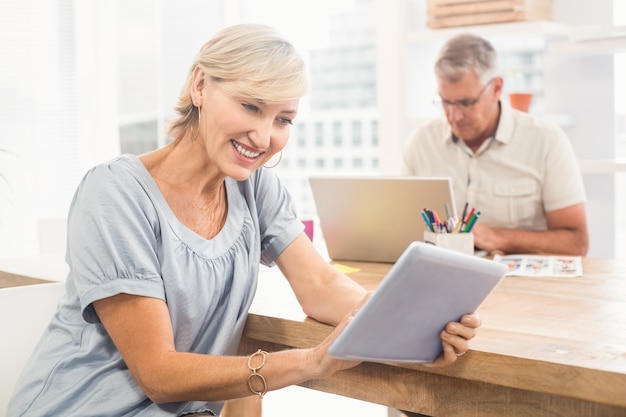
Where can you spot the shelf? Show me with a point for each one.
(592, 39)
(563, 38)
(514, 29)
(598, 34)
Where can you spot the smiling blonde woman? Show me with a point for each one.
(164, 251)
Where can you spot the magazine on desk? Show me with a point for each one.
(541, 266)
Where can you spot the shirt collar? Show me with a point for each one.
(506, 124)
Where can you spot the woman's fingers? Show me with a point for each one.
(455, 339)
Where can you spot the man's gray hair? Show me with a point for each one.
(465, 53)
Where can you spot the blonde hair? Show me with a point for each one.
(247, 60)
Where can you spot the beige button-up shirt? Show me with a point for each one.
(527, 169)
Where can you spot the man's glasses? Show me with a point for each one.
(463, 105)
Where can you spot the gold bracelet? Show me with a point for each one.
(255, 374)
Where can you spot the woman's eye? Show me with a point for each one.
(257, 109)
(250, 107)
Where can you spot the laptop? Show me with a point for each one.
(426, 288)
(374, 219)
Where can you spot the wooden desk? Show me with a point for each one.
(9, 279)
(548, 347)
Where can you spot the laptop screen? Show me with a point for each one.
(374, 219)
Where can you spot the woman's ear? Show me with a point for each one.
(197, 86)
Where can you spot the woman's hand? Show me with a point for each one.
(327, 364)
(455, 339)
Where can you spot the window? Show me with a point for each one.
(337, 140)
(139, 137)
(375, 133)
(40, 113)
(319, 134)
(357, 134)
(301, 135)
(83, 122)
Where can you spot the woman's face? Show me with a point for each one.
(240, 134)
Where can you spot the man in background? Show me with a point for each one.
(518, 170)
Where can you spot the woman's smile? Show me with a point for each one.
(245, 152)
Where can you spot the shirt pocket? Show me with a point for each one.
(517, 204)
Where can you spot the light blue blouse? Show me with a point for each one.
(123, 238)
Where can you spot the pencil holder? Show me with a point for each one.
(460, 242)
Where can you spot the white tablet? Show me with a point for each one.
(424, 290)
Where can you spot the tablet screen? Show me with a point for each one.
(424, 290)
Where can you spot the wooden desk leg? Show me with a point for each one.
(243, 407)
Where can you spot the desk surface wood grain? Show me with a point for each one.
(548, 346)
(9, 279)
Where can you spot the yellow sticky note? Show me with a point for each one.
(346, 269)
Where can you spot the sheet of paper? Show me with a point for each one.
(541, 266)
(345, 268)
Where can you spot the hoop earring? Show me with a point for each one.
(280, 158)
(195, 136)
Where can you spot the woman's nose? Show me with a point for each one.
(261, 134)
